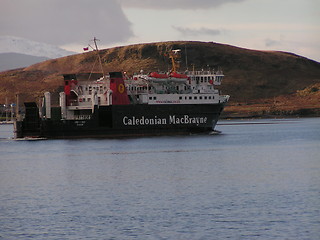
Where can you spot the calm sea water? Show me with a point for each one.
(258, 179)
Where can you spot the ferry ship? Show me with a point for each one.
(118, 105)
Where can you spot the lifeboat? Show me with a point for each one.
(158, 75)
(178, 77)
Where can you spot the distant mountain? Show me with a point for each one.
(17, 60)
(9, 44)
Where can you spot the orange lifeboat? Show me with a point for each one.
(158, 75)
(178, 75)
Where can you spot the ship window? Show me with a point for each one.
(190, 98)
(209, 97)
(195, 98)
(180, 98)
(205, 97)
(150, 98)
(154, 98)
(89, 99)
(200, 97)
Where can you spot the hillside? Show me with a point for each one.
(250, 75)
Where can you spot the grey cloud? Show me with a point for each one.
(175, 4)
(64, 21)
(195, 32)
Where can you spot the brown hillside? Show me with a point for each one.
(304, 102)
(250, 74)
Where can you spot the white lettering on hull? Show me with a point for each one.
(187, 120)
(134, 121)
(172, 119)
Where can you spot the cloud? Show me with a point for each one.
(175, 4)
(64, 21)
(196, 32)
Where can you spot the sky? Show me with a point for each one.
(282, 25)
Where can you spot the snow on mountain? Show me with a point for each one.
(10, 44)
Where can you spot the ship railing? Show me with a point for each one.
(209, 72)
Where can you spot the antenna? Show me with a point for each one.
(185, 49)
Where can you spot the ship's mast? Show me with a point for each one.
(185, 50)
(97, 50)
(95, 43)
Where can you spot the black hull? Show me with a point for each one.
(126, 120)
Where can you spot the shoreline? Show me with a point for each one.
(238, 113)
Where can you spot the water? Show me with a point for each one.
(259, 179)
